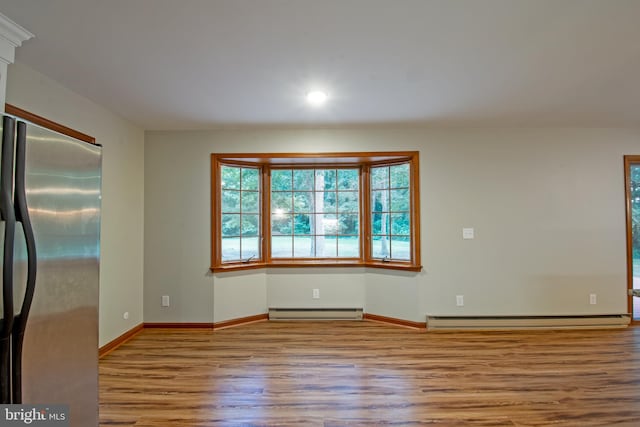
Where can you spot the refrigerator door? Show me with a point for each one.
(7, 233)
(60, 353)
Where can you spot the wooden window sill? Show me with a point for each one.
(319, 263)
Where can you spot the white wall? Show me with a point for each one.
(176, 244)
(293, 287)
(548, 209)
(547, 206)
(121, 272)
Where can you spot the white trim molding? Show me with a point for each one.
(11, 36)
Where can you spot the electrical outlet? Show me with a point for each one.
(165, 300)
(460, 300)
(316, 294)
(593, 299)
(125, 316)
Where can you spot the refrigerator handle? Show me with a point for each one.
(22, 215)
(8, 216)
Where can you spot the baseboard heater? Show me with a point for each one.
(435, 323)
(315, 313)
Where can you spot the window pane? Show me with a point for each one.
(325, 179)
(348, 247)
(230, 177)
(348, 224)
(326, 246)
(317, 226)
(230, 225)
(230, 201)
(326, 224)
(400, 248)
(348, 201)
(400, 176)
(281, 246)
(303, 179)
(380, 223)
(391, 231)
(302, 224)
(380, 201)
(281, 179)
(250, 179)
(380, 247)
(281, 224)
(380, 177)
(302, 247)
(281, 202)
(401, 224)
(348, 179)
(250, 202)
(303, 202)
(326, 201)
(240, 213)
(230, 248)
(250, 225)
(250, 247)
(400, 200)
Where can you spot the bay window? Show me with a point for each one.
(329, 209)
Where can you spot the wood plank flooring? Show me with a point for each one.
(370, 374)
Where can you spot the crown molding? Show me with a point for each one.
(11, 36)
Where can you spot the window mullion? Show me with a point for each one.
(337, 219)
(365, 214)
(389, 234)
(265, 201)
(293, 219)
(314, 231)
(241, 212)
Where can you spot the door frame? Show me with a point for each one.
(629, 160)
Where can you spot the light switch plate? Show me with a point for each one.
(468, 233)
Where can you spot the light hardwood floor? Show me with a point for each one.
(368, 374)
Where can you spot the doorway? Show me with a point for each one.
(632, 185)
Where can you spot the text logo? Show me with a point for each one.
(34, 415)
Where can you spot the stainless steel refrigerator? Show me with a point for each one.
(50, 203)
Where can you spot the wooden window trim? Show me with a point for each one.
(269, 161)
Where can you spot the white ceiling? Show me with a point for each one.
(195, 64)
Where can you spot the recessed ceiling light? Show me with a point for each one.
(317, 98)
